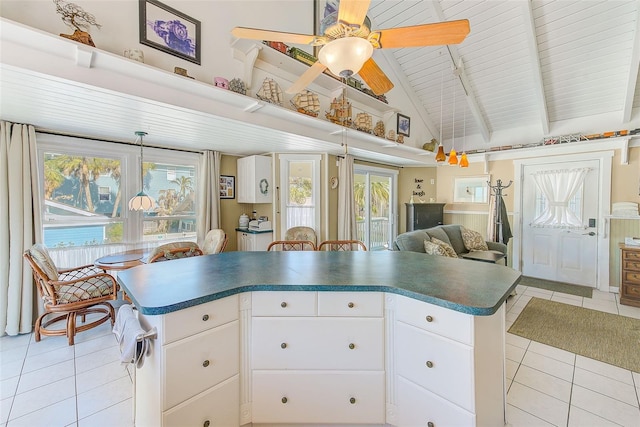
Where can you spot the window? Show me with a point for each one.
(374, 191)
(300, 198)
(85, 187)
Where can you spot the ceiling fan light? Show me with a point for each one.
(141, 202)
(440, 157)
(453, 157)
(464, 162)
(345, 56)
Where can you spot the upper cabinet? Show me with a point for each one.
(254, 180)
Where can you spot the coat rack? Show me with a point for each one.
(497, 220)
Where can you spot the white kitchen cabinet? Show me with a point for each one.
(254, 179)
(192, 373)
(254, 241)
(449, 366)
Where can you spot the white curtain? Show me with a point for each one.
(346, 200)
(19, 225)
(209, 197)
(558, 187)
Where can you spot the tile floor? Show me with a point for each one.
(52, 384)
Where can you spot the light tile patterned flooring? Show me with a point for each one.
(52, 384)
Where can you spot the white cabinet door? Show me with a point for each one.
(317, 343)
(254, 179)
(218, 406)
(418, 407)
(199, 362)
(318, 397)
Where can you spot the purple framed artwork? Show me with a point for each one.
(168, 30)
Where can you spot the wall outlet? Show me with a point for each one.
(433, 181)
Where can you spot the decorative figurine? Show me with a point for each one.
(75, 17)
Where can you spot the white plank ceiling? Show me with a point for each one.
(528, 69)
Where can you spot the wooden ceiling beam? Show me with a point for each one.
(536, 71)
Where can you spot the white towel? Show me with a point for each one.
(134, 346)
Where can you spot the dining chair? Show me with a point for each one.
(214, 242)
(301, 233)
(342, 245)
(174, 250)
(291, 245)
(69, 293)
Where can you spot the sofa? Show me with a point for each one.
(451, 234)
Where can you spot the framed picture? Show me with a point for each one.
(404, 125)
(471, 189)
(170, 31)
(227, 187)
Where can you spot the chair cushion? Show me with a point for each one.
(412, 241)
(446, 247)
(87, 289)
(455, 238)
(433, 248)
(162, 249)
(40, 255)
(301, 233)
(473, 240)
(438, 233)
(213, 241)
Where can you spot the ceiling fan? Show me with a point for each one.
(348, 42)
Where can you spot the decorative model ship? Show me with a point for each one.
(363, 122)
(379, 129)
(306, 102)
(391, 136)
(340, 111)
(270, 92)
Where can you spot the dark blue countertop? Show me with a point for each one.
(471, 287)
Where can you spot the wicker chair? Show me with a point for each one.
(342, 245)
(68, 293)
(301, 233)
(291, 245)
(175, 250)
(214, 242)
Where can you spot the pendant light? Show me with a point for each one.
(440, 157)
(453, 156)
(141, 201)
(464, 162)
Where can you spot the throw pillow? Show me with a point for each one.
(473, 240)
(433, 248)
(448, 249)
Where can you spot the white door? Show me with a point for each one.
(374, 191)
(563, 254)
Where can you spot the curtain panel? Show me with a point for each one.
(19, 225)
(209, 197)
(558, 187)
(346, 200)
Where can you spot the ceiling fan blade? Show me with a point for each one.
(353, 11)
(307, 77)
(441, 33)
(375, 78)
(274, 36)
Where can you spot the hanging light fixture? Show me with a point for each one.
(345, 56)
(464, 162)
(141, 201)
(440, 157)
(453, 156)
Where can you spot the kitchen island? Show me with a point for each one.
(321, 337)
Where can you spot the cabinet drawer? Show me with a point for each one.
(631, 291)
(283, 303)
(183, 323)
(318, 397)
(199, 362)
(439, 320)
(441, 366)
(218, 405)
(418, 407)
(631, 277)
(318, 343)
(631, 255)
(354, 304)
(631, 265)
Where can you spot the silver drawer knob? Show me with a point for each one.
(429, 364)
(352, 346)
(429, 319)
(352, 400)
(283, 304)
(351, 305)
(205, 363)
(207, 423)
(430, 424)
(283, 345)
(284, 400)
(205, 317)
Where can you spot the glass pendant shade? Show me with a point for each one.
(345, 57)
(453, 157)
(141, 202)
(464, 162)
(440, 157)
